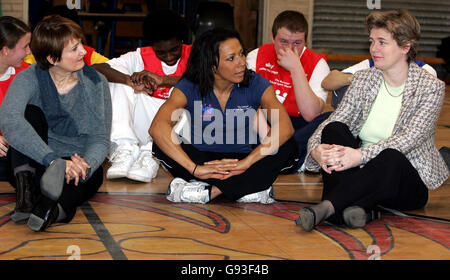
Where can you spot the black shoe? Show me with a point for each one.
(25, 196)
(44, 214)
(357, 217)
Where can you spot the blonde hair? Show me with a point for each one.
(403, 26)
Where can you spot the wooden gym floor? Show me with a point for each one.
(128, 220)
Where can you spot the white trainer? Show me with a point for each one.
(144, 168)
(264, 197)
(174, 190)
(122, 159)
(182, 191)
(194, 193)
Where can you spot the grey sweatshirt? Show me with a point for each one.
(94, 124)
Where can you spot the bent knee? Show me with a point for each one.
(392, 155)
(334, 126)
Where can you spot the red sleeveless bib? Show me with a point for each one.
(280, 78)
(153, 64)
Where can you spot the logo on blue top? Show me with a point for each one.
(207, 110)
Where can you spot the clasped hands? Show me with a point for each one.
(221, 169)
(336, 157)
(76, 168)
(145, 81)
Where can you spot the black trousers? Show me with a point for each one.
(5, 168)
(258, 177)
(388, 180)
(72, 196)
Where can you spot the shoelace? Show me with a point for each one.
(121, 155)
(145, 159)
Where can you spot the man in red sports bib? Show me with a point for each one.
(296, 73)
(140, 82)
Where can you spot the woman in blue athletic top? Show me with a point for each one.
(222, 98)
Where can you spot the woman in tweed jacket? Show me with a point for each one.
(378, 147)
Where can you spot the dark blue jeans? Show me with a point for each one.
(304, 130)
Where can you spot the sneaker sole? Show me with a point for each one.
(170, 195)
(139, 178)
(271, 198)
(263, 200)
(116, 175)
(268, 201)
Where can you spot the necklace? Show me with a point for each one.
(385, 86)
(63, 85)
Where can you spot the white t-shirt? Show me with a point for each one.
(320, 72)
(365, 64)
(133, 62)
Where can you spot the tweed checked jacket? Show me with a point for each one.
(414, 130)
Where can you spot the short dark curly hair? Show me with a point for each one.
(164, 25)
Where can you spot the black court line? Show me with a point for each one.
(114, 249)
(427, 217)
